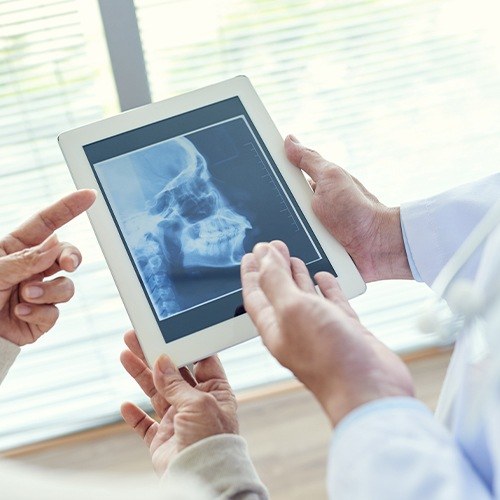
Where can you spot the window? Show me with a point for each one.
(402, 93)
(53, 77)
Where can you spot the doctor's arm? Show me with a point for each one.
(386, 443)
(414, 240)
(366, 228)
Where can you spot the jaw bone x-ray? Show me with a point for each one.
(189, 207)
(173, 217)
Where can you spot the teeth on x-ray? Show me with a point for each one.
(216, 241)
(210, 232)
(188, 223)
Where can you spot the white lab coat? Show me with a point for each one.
(395, 448)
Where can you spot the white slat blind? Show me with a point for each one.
(403, 93)
(52, 78)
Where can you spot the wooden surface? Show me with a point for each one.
(285, 428)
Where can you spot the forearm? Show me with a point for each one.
(8, 354)
(222, 462)
(393, 449)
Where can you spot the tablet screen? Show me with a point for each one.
(191, 195)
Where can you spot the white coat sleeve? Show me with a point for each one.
(394, 448)
(434, 228)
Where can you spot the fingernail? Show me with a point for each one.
(23, 310)
(164, 364)
(74, 260)
(260, 250)
(294, 139)
(33, 292)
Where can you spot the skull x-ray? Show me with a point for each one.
(174, 218)
(188, 208)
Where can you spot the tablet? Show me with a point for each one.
(188, 186)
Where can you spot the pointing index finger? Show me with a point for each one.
(41, 225)
(275, 277)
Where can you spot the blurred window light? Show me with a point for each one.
(404, 94)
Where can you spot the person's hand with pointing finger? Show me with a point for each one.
(30, 255)
(319, 338)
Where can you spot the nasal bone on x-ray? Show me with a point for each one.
(182, 221)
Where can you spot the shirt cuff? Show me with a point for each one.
(434, 228)
(421, 239)
(409, 255)
(223, 463)
(8, 354)
(391, 405)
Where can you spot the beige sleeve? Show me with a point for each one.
(8, 354)
(221, 461)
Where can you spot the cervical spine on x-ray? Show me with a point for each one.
(187, 223)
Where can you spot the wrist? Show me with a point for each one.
(7, 340)
(340, 406)
(388, 254)
(221, 461)
(389, 377)
(13, 339)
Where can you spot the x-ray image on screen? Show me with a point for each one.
(191, 206)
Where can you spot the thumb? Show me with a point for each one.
(20, 266)
(308, 160)
(170, 384)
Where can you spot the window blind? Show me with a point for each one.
(402, 93)
(52, 78)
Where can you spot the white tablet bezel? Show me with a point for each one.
(235, 330)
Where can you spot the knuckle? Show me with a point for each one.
(311, 158)
(291, 307)
(205, 402)
(308, 156)
(27, 258)
(68, 289)
(332, 171)
(173, 385)
(48, 222)
(55, 313)
(48, 317)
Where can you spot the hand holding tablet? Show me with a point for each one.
(188, 186)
